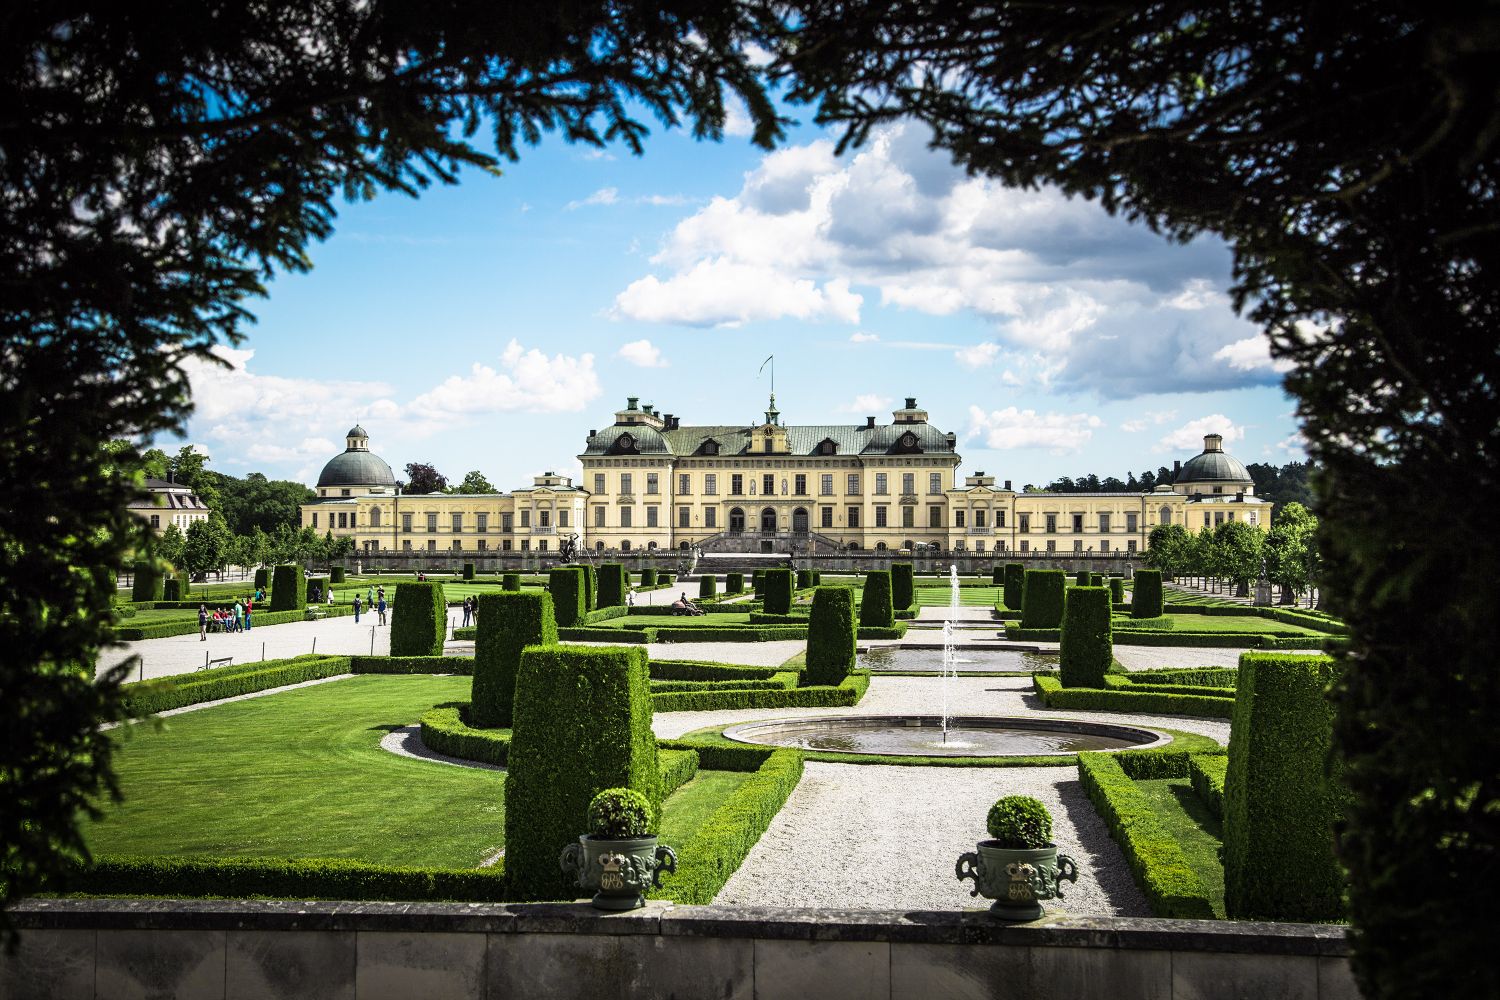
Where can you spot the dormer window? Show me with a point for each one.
(627, 441)
(710, 447)
(908, 440)
(828, 447)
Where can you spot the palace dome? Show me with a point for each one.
(1213, 465)
(357, 466)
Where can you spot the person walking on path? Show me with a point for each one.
(356, 609)
(467, 612)
(238, 613)
(381, 608)
(249, 606)
(370, 598)
(203, 622)
(630, 598)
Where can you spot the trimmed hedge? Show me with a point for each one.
(1170, 885)
(1015, 632)
(1015, 586)
(468, 571)
(1043, 597)
(262, 578)
(1204, 706)
(188, 626)
(142, 698)
(721, 844)
(590, 587)
(703, 670)
(317, 590)
(171, 590)
(336, 574)
(613, 584)
(1121, 682)
(284, 878)
(848, 692)
(1165, 623)
(510, 581)
(582, 724)
(147, 583)
(615, 635)
(1081, 578)
(1208, 677)
(1223, 640)
(831, 636)
(648, 577)
(664, 579)
(1146, 601)
(566, 585)
(677, 768)
(758, 581)
(288, 588)
(1280, 803)
(1207, 775)
(777, 591)
(446, 731)
(1116, 590)
(462, 665)
(508, 623)
(418, 620)
(903, 586)
(1086, 652)
(605, 614)
(876, 609)
(786, 680)
(708, 585)
(804, 579)
(734, 583)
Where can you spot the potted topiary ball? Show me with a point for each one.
(618, 858)
(1020, 866)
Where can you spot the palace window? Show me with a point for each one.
(853, 517)
(599, 482)
(314, 520)
(1025, 546)
(1131, 522)
(1103, 522)
(960, 518)
(432, 523)
(458, 546)
(1104, 545)
(599, 516)
(1051, 545)
(880, 513)
(825, 517)
(525, 545)
(624, 517)
(374, 517)
(484, 523)
(156, 520)
(1025, 522)
(710, 517)
(736, 485)
(825, 485)
(711, 484)
(625, 483)
(934, 516)
(432, 545)
(505, 545)
(934, 482)
(343, 520)
(880, 484)
(544, 518)
(979, 518)
(684, 483)
(483, 545)
(799, 485)
(406, 545)
(908, 483)
(1077, 523)
(406, 523)
(908, 517)
(344, 493)
(852, 484)
(1051, 523)
(562, 519)
(507, 523)
(526, 519)
(684, 517)
(767, 484)
(458, 523)
(1130, 545)
(999, 518)
(652, 484)
(1078, 545)
(1166, 515)
(651, 517)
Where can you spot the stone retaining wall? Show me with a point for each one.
(372, 951)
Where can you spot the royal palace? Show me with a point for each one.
(652, 483)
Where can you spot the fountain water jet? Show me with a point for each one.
(950, 656)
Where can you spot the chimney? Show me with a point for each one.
(869, 423)
(171, 476)
(666, 421)
(1239, 497)
(592, 432)
(1213, 442)
(676, 422)
(911, 402)
(1007, 484)
(632, 402)
(1176, 468)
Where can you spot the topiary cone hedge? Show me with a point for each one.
(1081, 578)
(1015, 586)
(419, 619)
(1146, 601)
(1117, 590)
(903, 586)
(776, 589)
(508, 623)
(612, 585)
(875, 608)
(582, 723)
(831, 635)
(1087, 649)
(288, 588)
(1043, 590)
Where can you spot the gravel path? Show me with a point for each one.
(888, 838)
(1154, 657)
(407, 742)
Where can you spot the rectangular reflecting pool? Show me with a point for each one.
(884, 659)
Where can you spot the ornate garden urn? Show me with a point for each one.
(1017, 879)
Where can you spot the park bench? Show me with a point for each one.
(313, 614)
(222, 661)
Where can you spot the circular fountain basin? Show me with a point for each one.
(967, 736)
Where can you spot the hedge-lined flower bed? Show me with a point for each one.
(143, 698)
(1169, 883)
(284, 878)
(1209, 677)
(1163, 623)
(704, 670)
(666, 687)
(1287, 616)
(412, 665)
(1054, 695)
(1121, 682)
(847, 693)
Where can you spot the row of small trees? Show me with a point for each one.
(1235, 552)
(208, 546)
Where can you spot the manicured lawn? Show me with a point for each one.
(969, 597)
(301, 774)
(687, 808)
(1185, 817)
(1238, 623)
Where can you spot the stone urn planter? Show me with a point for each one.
(1019, 867)
(618, 859)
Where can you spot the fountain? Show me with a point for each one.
(950, 656)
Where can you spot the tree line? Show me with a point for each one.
(1235, 553)
(1283, 484)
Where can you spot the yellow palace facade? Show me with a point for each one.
(651, 483)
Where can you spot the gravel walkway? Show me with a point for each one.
(1154, 657)
(888, 838)
(407, 742)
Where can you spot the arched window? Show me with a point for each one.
(880, 546)
(374, 517)
(625, 545)
(683, 546)
(799, 520)
(768, 519)
(1166, 515)
(736, 520)
(907, 544)
(650, 546)
(598, 546)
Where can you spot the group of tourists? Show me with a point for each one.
(230, 618)
(374, 601)
(471, 611)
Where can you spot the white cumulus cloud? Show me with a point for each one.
(1189, 437)
(1251, 354)
(978, 356)
(1013, 428)
(867, 403)
(526, 380)
(861, 337)
(721, 292)
(603, 196)
(642, 354)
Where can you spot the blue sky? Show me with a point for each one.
(490, 325)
